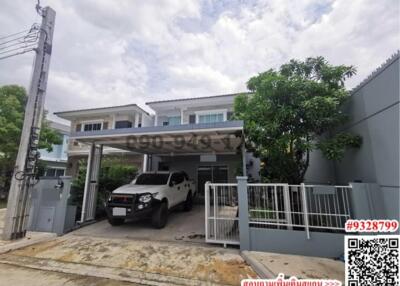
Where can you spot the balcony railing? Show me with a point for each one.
(234, 124)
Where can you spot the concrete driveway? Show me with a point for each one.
(136, 261)
(181, 227)
(100, 254)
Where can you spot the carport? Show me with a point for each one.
(208, 139)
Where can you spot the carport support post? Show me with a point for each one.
(244, 229)
(244, 157)
(87, 181)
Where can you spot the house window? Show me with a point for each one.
(211, 118)
(174, 120)
(52, 172)
(92, 126)
(123, 124)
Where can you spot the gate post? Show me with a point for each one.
(244, 229)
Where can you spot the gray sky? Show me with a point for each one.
(109, 52)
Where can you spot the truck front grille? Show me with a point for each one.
(123, 199)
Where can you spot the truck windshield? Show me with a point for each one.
(152, 179)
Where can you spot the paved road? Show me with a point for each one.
(21, 276)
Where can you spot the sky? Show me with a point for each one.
(109, 52)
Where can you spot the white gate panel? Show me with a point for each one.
(221, 213)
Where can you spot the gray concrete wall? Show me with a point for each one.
(374, 114)
(320, 171)
(374, 110)
(320, 244)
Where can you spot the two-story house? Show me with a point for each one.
(197, 135)
(96, 119)
(217, 164)
(56, 160)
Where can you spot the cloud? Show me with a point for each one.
(108, 53)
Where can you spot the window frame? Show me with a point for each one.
(175, 117)
(211, 112)
(92, 122)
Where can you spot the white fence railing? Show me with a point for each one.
(299, 207)
(276, 206)
(221, 213)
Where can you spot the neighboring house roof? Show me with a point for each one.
(377, 71)
(93, 111)
(197, 98)
(63, 128)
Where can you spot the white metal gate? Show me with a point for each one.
(276, 206)
(221, 213)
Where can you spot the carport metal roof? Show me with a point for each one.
(220, 137)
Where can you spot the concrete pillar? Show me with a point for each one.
(244, 229)
(244, 169)
(136, 120)
(87, 182)
(145, 163)
(91, 183)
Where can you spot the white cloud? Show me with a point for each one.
(119, 52)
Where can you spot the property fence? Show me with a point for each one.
(299, 207)
(221, 213)
(309, 208)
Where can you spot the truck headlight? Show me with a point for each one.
(145, 198)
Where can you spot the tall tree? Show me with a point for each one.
(12, 107)
(293, 111)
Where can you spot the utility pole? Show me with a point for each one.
(24, 171)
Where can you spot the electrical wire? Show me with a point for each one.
(20, 44)
(5, 37)
(30, 39)
(15, 49)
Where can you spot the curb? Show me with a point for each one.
(260, 269)
(27, 241)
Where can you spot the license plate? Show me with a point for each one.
(119, 211)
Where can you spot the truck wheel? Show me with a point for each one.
(160, 216)
(188, 205)
(116, 221)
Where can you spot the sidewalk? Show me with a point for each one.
(269, 265)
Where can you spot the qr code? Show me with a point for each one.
(372, 260)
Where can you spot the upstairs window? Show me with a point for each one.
(92, 126)
(211, 118)
(174, 120)
(123, 124)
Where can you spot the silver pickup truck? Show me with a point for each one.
(151, 194)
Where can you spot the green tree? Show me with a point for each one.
(293, 111)
(12, 109)
(113, 174)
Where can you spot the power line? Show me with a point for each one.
(4, 37)
(16, 54)
(17, 43)
(15, 49)
(12, 40)
(27, 39)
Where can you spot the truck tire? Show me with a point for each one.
(116, 221)
(188, 204)
(160, 216)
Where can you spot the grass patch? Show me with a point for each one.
(259, 213)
